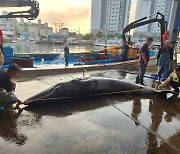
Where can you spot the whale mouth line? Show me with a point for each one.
(89, 87)
(90, 95)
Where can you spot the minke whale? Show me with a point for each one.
(95, 86)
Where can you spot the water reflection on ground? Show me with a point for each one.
(94, 126)
(106, 124)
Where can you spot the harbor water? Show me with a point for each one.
(47, 48)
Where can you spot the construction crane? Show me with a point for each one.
(30, 14)
(159, 18)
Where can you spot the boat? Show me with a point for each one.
(107, 43)
(93, 57)
(72, 41)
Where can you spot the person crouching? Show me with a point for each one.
(173, 80)
(7, 86)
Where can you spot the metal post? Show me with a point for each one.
(172, 23)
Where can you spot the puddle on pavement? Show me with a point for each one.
(106, 124)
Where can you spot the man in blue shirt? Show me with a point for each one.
(164, 61)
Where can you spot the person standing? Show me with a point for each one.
(1, 55)
(105, 50)
(164, 61)
(144, 60)
(66, 52)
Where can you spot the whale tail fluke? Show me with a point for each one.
(168, 93)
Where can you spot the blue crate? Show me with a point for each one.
(89, 63)
(107, 61)
(152, 53)
(8, 51)
(116, 61)
(7, 60)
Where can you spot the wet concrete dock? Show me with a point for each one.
(106, 124)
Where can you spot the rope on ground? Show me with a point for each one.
(152, 132)
(70, 75)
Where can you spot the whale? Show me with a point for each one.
(90, 87)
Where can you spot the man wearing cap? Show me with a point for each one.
(7, 86)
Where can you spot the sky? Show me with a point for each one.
(75, 14)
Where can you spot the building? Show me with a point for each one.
(149, 7)
(64, 32)
(7, 26)
(163, 6)
(117, 15)
(34, 30)
(97, 15)
(110, 16)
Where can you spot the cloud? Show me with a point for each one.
(71, 17)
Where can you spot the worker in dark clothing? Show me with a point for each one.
(173, 80)
(105, 50)
(164, 61)
(1, 55)
(125, 50)
(66, 52)
(144, 59)
(7, 86)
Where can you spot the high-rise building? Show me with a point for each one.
(149, 7)
(7, 26)
(110, 16)
(164, 7)
(97, 15)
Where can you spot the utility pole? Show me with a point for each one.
(61, 24)
(55, 26)
(175, 14)
(173, 24)
(58, 26)
(79, 30)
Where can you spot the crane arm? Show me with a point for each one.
(144, 21)
(30, 14)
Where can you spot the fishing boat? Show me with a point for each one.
(93, 57)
